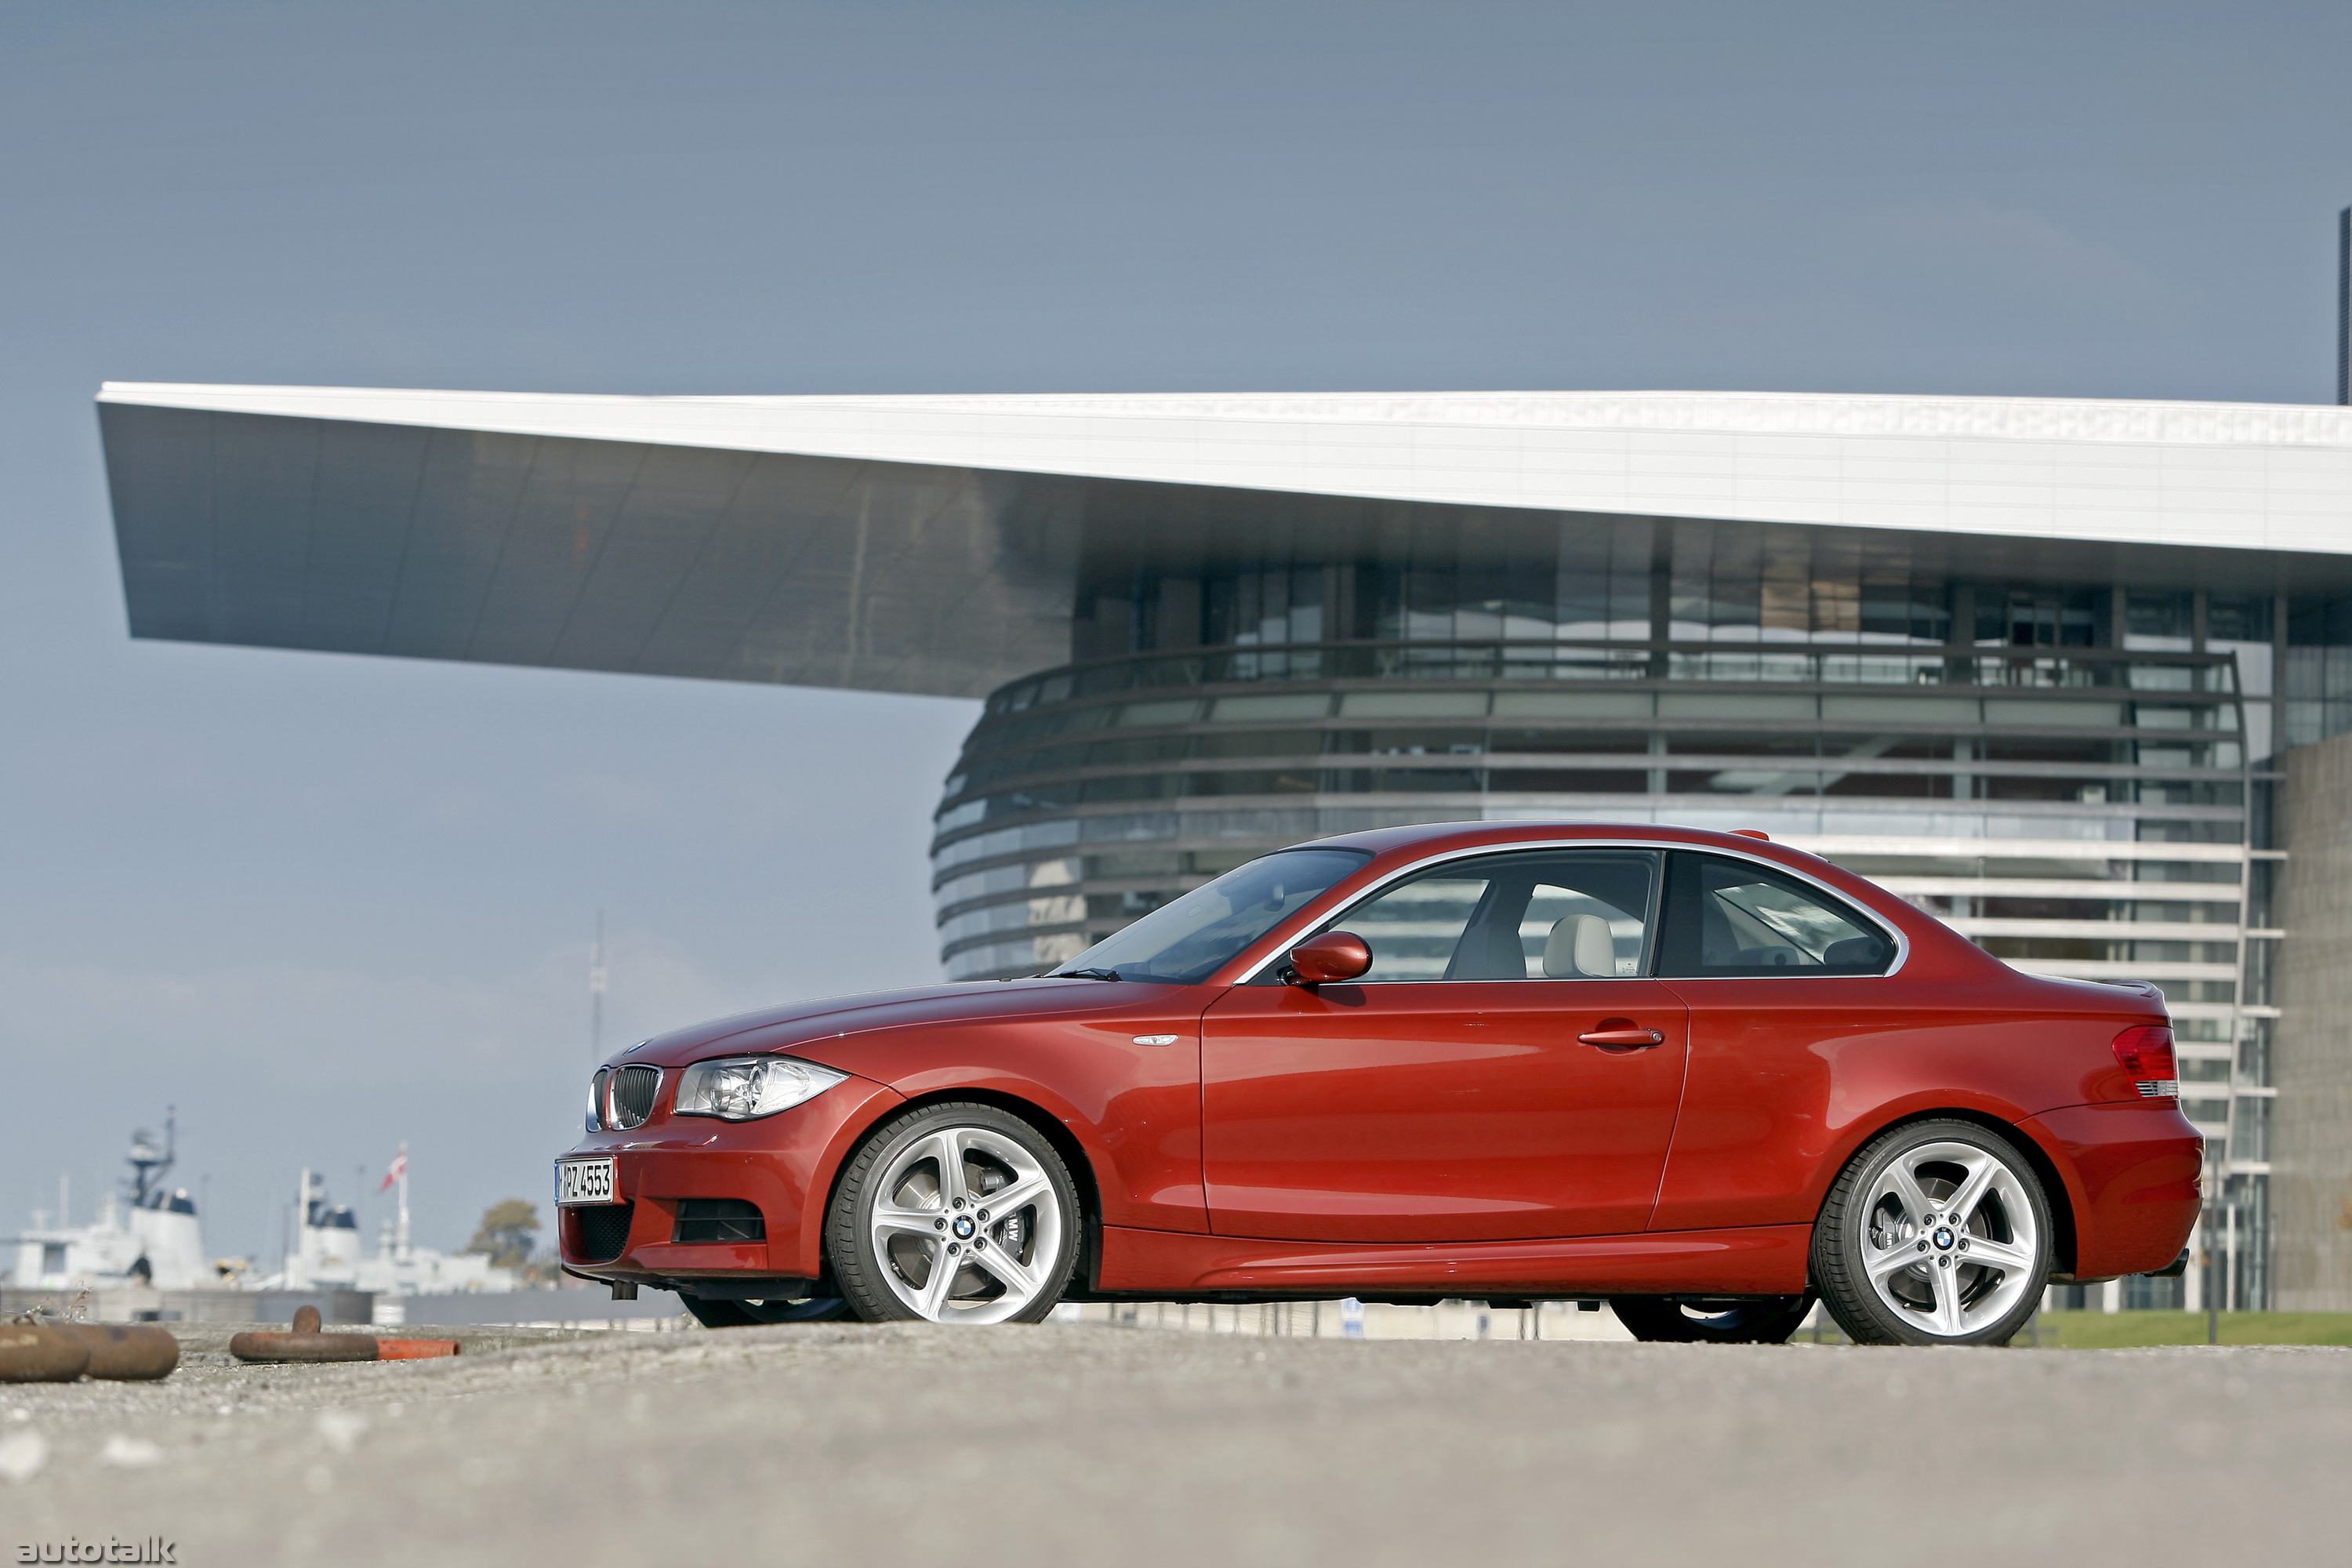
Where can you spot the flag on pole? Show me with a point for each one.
(399, 1169)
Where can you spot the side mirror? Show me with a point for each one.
(1334, 956)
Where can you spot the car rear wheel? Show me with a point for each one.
(1763, 1321)
(1937, 1233)
(954, 1213)
(712, 1312)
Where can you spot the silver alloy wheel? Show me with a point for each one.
(967, 1225)
(1952, 1242)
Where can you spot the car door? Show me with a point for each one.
(1783, 980)
(1503, 1070)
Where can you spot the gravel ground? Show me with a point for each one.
(1080, 1443)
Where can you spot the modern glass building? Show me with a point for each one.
(2029, 664)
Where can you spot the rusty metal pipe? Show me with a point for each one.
(274, 1345)
(126, 1353)
(414, 1350)
(306, 1343)
(36, 1352)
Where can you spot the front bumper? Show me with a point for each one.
(782, 1164)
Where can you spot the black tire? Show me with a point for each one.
(1044, 1246)
(1757, 1321)
(1862, 1221)
(712, 1312)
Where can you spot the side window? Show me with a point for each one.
(1727, 916)
(1577, 914)
(1415, 929)
(1588, 914)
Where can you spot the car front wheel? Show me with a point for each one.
(715, 1312)
(1756, 1320)
(1937, 1233)
(954, 1213)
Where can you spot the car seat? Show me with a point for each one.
(1580, 948)
(1488, 950)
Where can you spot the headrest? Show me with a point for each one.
(1581, 948)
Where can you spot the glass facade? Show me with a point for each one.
(1208, 627)
(2068, 768)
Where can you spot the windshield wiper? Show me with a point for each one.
(1081, 974)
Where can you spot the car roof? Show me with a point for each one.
(1423, 837)
(1392, 849)
(1389, 846)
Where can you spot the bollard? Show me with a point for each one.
(305, 1343)
(36, 1352)
(124, 1352)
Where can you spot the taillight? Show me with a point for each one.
(2146, 1052)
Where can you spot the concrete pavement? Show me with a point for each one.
(1082, 1443)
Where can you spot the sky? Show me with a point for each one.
(325, 905)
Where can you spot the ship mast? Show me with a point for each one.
(147, 1165)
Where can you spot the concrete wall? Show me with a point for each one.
(2311, 1135)
(131, 1305)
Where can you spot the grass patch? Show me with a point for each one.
(2124, 1331)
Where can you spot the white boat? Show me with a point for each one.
(327, 1252)
(147, 1239)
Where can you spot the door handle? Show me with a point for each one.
(1626, 1039)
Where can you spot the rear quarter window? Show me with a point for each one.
(1727, 916)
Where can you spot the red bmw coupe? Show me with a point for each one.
(1705, 1076)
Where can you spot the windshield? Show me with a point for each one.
(1185, 942)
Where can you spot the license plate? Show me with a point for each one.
(585, 1182)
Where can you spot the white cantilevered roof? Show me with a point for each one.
(2232, 475)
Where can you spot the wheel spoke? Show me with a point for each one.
(1013, 1199)
(1971, 1192)
(1998, 1254)
(1946, 1316)
(891, 1220)
(1015, 1276)
(933, 1299)
(1893, 1260)
(1906, 1186)
(946, 1150)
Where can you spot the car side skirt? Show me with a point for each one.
(1750, 1260)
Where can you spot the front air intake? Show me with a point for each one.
(633, 1092)
(718, 1219)
(600, 1231)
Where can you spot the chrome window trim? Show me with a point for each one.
(1902, 942)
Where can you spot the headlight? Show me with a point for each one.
(739, 1088)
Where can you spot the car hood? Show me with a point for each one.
(830, 1018)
